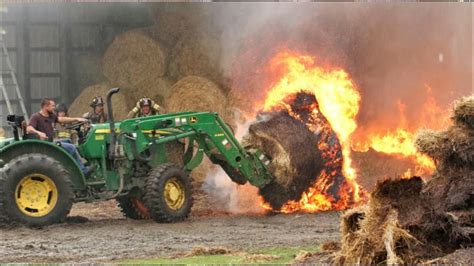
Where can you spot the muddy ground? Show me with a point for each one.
(98, 233)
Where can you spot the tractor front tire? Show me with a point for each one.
(35, 190)
(168, 195)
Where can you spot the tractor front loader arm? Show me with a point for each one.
(204, 134)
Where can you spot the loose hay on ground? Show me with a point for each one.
(132, 58)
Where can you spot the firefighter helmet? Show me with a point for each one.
(97, 101)
(61, 108)
(145, 101)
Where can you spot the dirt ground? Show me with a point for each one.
(98, 233)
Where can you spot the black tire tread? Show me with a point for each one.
(153, 194)
(24, 161)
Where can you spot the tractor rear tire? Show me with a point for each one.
(133, 208)
(35, 190)
(168, 194)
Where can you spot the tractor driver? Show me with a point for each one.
(97, 114)
(145, 107)
(41, 124)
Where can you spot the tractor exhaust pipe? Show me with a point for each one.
(111, 121)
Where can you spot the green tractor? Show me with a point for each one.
(143, 163)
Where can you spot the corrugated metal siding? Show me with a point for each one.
(44, 36)
(44, 62)
(45, 87)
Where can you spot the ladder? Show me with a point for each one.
(10, 74)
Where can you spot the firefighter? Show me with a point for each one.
(60, 131)
(97, 114)
(145, 107)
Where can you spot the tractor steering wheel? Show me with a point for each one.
(77, 126)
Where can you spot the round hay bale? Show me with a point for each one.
(82, 103)
(195, 93)
(2, 133)
(169, 27)
(292, 148)
(158, 90)
(132, 58)
(197, 54)
(463, 112)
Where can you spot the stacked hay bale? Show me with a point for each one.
(134, 60)
(81, 104)
(175, 62)
(408, 221)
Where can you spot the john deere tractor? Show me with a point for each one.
(143, 163)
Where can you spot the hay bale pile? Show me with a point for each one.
(409, 221)
(82, 103)
(398, 225)
(132, 57)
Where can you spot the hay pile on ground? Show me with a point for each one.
(133, 58)
(82, 103)
(291, 146)
(195, 93)
(408, 221)
(398, 225)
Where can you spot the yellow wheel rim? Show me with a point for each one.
(36, 195)
(174, 194)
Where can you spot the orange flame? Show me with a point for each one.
(338, 101)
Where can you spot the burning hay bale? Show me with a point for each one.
(134, 58)
(408, 221)
(196, 54)
(291, 146)
(195, 93)
(82, 103)
(398, 225)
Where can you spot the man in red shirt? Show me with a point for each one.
(42, 124)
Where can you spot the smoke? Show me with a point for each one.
(227, 195)
(394, 52)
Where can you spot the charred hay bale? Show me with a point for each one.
(132, 58)
(461, 146)
(292, 148)
(463, 112)
(197, 54)
(398, 225)
(432, 143)
(198, 94)
(82, 103)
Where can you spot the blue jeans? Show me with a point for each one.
(71, 149)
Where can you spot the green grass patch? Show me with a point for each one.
(282, 255)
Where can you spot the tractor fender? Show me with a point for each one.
(18, 148)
